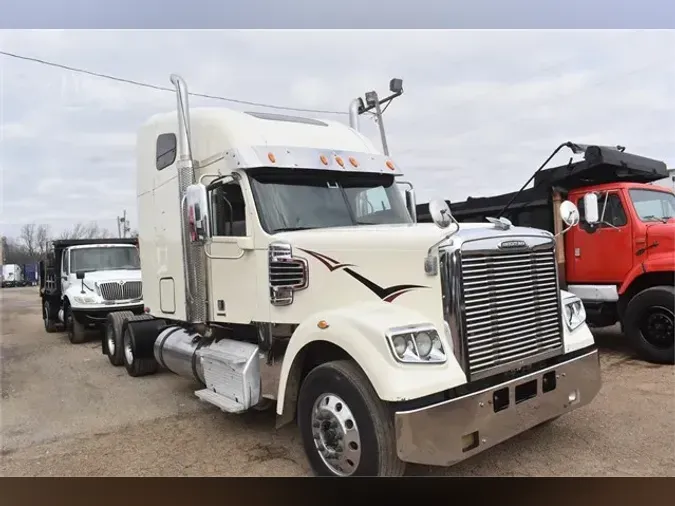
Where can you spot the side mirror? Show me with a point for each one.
(591, 211)
(569, 213)
(198, 212)
(440, 213)
(79, 274)
(411, 204)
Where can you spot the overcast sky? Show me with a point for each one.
(481, 109)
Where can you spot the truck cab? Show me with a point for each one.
(621, 262)
(282, 267)
(85, 280)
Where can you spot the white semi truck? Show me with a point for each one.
(282, 266)
(83, 281)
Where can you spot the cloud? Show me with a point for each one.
(481, 109)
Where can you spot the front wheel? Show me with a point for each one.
(649, 323)
(346, 429)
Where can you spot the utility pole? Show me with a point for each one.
(123, 225)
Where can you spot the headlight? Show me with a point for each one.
(85, 299)
(416, 345)
(574, 312)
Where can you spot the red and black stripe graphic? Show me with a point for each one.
(387, 294)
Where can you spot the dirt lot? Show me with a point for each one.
(65, 411)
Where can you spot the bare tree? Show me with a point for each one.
(85, 231)
(42, 240)
(28, 238)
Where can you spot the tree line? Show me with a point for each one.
(32, 244)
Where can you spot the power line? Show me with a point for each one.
(162, 88)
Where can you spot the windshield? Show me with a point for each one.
(304, 199)
(653, 205)
(104, 259)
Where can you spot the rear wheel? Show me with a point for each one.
(113, 347)
(50, 325)
(77, 332)
(346, 429)
(649, 322)
(136, 366)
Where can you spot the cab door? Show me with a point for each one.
(233, 279)
(601, 253)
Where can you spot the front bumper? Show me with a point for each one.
(98, 315)
(449, 432)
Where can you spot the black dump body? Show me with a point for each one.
(50, 282)
(533, 207)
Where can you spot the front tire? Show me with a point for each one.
(113, 346)
(346, 429)
(77, 332)
(649, 322)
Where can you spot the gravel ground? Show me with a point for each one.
(65, 411)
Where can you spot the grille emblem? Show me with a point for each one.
(512, 244)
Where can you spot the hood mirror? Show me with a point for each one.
(570, 213)
(440, 213)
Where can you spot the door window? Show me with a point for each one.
(228, 211)
(612, 212)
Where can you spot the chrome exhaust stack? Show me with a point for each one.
(354, 111)
(194, 261)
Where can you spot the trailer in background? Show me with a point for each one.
(12, 275)
(30, 274)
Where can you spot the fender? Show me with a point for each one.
(359, 330)
(662, 262)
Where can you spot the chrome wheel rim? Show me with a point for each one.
(336, 435)
(110, 339)
(128, 352)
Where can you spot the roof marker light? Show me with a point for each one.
(340, 162)
(272, 158)
(390, 165)
(353, 161)
(323, 159)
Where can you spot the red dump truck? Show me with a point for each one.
(621, 263)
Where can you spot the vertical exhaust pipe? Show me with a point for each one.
(354, 107)
(194, 261)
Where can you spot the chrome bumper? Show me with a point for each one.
(449, 432)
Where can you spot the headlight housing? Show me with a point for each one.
(86, 299)
(574, 312)
(416, 345)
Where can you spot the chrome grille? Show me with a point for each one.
(121, 291)
(511, 309)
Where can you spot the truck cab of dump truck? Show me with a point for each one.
(282, 266)
(85, 280)
(620, 260)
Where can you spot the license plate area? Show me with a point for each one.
(502, 398)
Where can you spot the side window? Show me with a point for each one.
(228, 211)
(64, 262)
(165, 151)
(614, 213)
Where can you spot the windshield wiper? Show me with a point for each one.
(651, 217)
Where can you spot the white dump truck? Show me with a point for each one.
(282, 266)
(83, 281)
